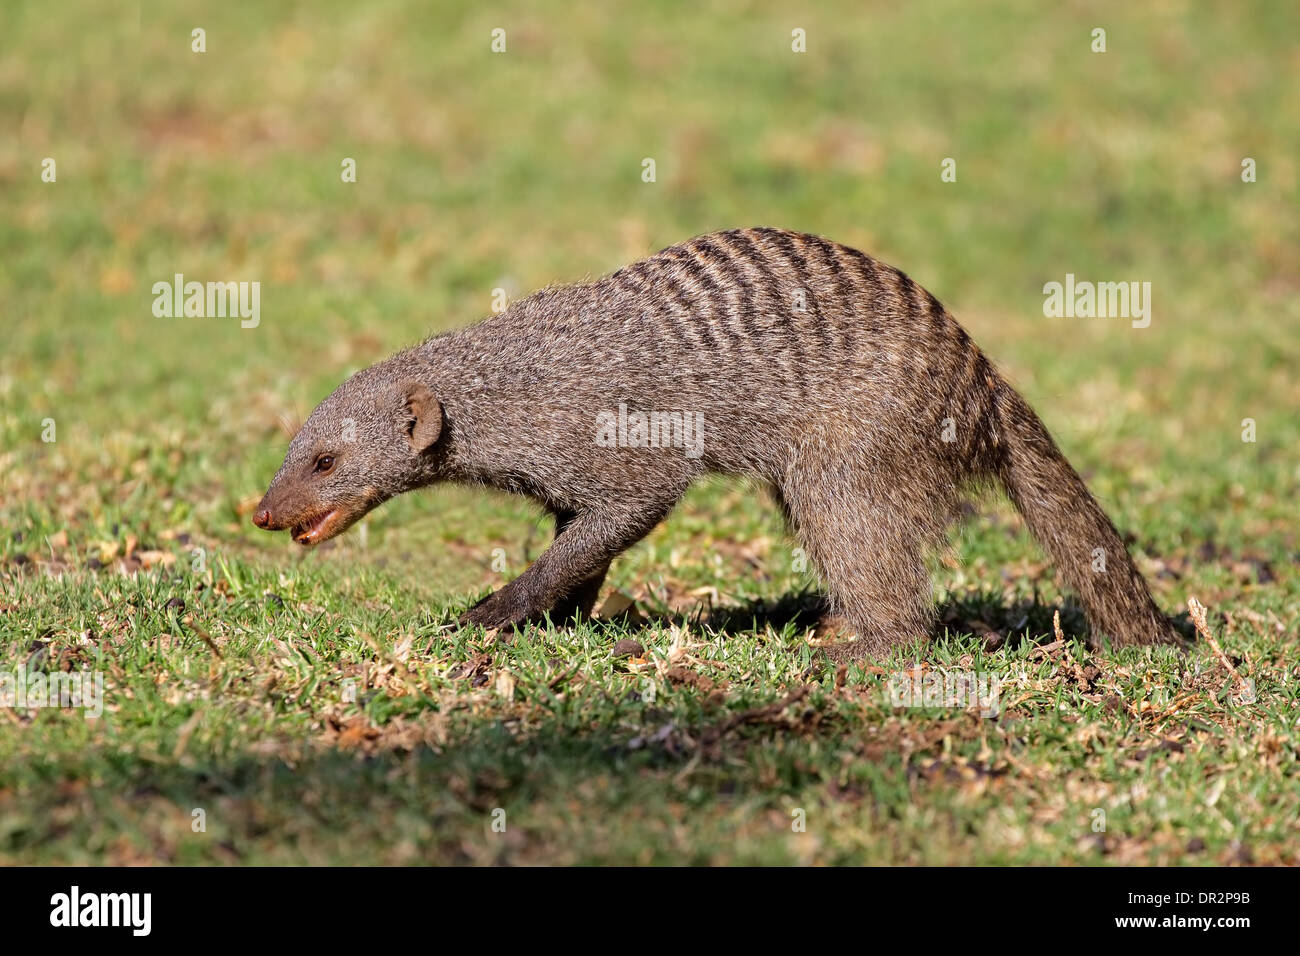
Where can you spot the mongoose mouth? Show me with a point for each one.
(317, 529)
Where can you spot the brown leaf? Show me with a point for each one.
(475, 669)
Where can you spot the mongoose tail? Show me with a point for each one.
(1065, 518)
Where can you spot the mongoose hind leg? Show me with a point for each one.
(868, 544)
(571, 569)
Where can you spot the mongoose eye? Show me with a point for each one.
(324, 463)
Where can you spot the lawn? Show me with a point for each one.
(263, 704)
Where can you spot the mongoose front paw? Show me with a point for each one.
(497, 610)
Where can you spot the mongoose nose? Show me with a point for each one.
(262, 519)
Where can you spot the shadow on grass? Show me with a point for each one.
(985, 614)
(603, 776)
(616, 790)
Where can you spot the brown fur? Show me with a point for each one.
(829, 376)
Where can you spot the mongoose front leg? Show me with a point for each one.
(579, 601)
(565, 572)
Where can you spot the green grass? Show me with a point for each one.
(229, 657)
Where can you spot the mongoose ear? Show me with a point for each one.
(423, 417)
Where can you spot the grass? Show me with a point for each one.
(323, 708)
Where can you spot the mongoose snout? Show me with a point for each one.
(312, 530)
(829, 377)
(362, 445)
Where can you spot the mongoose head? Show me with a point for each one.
(373, 438)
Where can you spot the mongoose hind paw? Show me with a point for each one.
(845, 644)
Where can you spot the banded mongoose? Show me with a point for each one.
(830, 377)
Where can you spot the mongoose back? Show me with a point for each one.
(830, 377)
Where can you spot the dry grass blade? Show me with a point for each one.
(1197, 610)
(207, 638)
